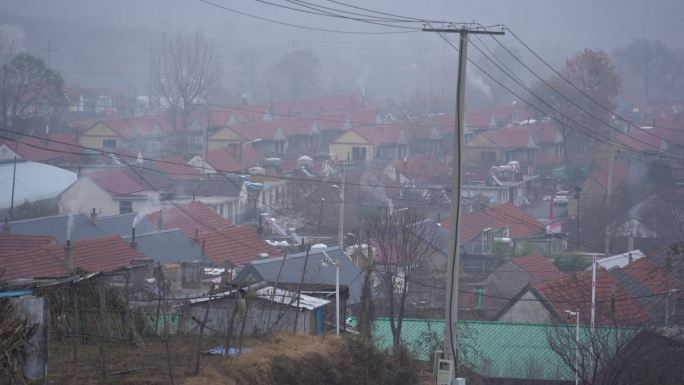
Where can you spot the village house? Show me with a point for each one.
(225, 244)
(270, 309)
(374, 142)
(59, 149)
(493, 148)
(146, 134)
(493, 293)
(58, 260)
(547, 301)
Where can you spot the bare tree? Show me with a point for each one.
(402, 246)
(183, 71)
(248, 61)
(298, 71)
(652, 69)
(28, 88)
(592, 73)
(618, 355)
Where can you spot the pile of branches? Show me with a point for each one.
(14, 334)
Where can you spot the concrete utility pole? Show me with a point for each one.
(451, 308)
(609, 189)
(340, 219)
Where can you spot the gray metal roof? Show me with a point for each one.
(316, 273)
(122, 224)
(168, 246)
(81, 226)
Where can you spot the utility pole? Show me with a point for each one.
(451, 308)
(578, 195)
(340, 223)
(49, 51)
(609, 190)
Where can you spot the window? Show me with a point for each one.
(195, 140)
(125, 207)
(109, 143)
(402, 151)
(358, 153)
(279, 147)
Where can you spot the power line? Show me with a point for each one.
(584, 131)
(561, 76)
(571, 101)
(301, 26)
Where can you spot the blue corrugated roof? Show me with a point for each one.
(81, 228)
(169, 246)
(316, 273)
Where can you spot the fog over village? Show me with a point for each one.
(341, 192)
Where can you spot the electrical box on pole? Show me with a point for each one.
(445, 372)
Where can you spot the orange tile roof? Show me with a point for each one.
(521, 224)
(118, 181)
(223, 241)
(54, 147)
(538, 267)
(228, 159)
(574, 291)
(92, 255)
(382, 133)
(510, 137)
(14, 243)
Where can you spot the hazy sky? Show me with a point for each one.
(107, 42)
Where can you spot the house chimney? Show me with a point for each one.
(668, 261)
(630, 258)
(6, 227)
(93, 216)
(204, 243)
(68, 257)
(134, 243)
(196, 238)
(160, 220)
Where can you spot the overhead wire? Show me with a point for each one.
(220, 6)
(575, 103)
(564, 78)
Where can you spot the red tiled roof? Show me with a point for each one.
(228, 159)
(478, 119)
(509, 137)
(544, 132)
(117, 181)
(574, 291)
(539, 268)
(521, 224)
(54, 147)
(382, 133)
(423, 167)
(268, 129)
(14, 243)
(177, 168)
(135, 126)
(223, 241)
(642, 140)
(98, 254)
(621, 176)
(655, 278)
